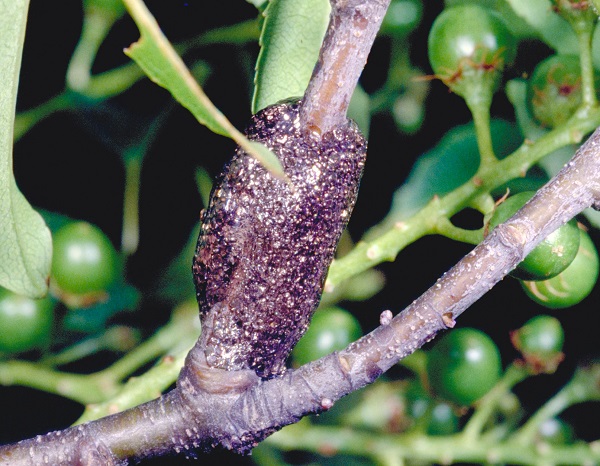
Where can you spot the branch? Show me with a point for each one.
(236, 409)
(352, 29)
(191, 417)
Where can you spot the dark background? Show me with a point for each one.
(69, 163)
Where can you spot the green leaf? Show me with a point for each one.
(549, 26)
(360, 109)
(25, 241)
(95, 318)
(451, 163)
(174, 284)
(516, 91)
(290, 41)
(257, 3)
(159, 60)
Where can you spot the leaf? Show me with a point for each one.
(95, 318)
(451, 163)
(360, 109)
(25, 241)
(174, 284)
(550, 27)
(257, 3)
(290, 42)
(157, 57)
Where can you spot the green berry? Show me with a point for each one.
(540, 340)
(25, 323)
(573, 284)
(331, 329)
(552, 255)
(84, 263)
(463, 366)
(436, 417)
(402, 17)
(556, 431)
(579, 13)
(554, 90)
(469, 48)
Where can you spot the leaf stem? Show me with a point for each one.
(584, 28)
(429, 449)
(140, 389)
(76, 387)
(178, 335)
(117, 338)
(480, 109)
(446, 228)
(96, 25)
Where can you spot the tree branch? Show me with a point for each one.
(189, 417)
(199, 414)
(352, 29)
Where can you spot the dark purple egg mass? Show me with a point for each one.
(265, 244)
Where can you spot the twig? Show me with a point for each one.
(352, 29)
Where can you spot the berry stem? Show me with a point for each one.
(479, 104)
(130, 235)
(581, 388)
(353, 26)
(584, 38)
(489, 403)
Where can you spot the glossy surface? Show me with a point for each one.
(467, 39)
(265, 247)
(554, 89)
(84, 260)
(25, 323)
(573, 284)
(463, 366)
(330, 330)
(552, 255)
(541, 336)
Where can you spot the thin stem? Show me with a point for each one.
(446, 228)
(76, 387)
(353, 26)
(584, 386)
(444, 449)
(117, 338)
(183, 329)
(480, 109)
(138, 390)
(130, 235)
(179, 334)
(584, 30)
(117, 80)
(96, 24)
(385, 247)
(399, 75)
(587, 70)
(27, 119)
(488, 405)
